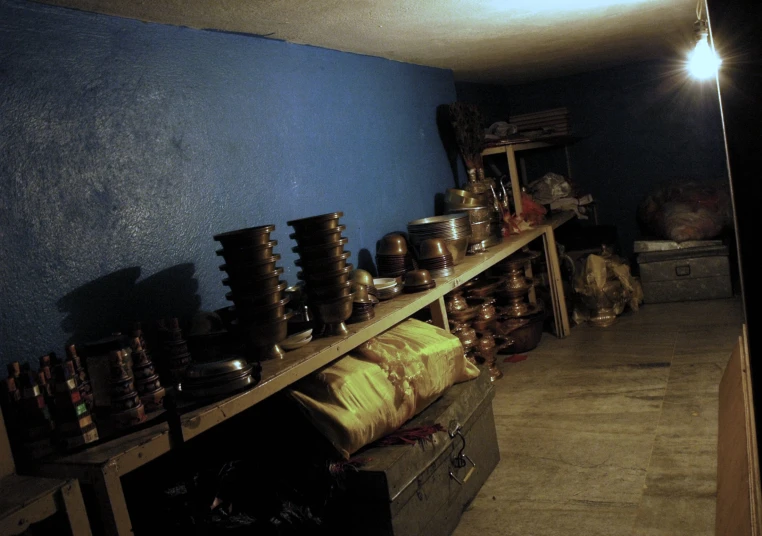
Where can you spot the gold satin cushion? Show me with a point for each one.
(381, 384)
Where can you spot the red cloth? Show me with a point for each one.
(411, 436)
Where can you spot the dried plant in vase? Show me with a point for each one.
(468, 124)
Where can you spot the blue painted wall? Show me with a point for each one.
(646, 124)
(125, 146)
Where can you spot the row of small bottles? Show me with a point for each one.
(55, 406)
(51, 406)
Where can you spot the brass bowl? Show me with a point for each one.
(261, 313)
(466, 335)
(322, 266)
(329, 292)
(485, 325)
(323, 222)
(264, 337)
(320, 237)
(485, 287)
(458, 249)
(342, 275)
(415, 278)
(266, 297)
(255, 268)
(372, 290)
(363, 277)
(465, 315)
(433, 248)
(260, 252)
(392, 244)
(321, 251)
(520, 284)
(360, 294)
(250, 236)
(453, 196)
(295, 291)
(254, 284)
(333, 311)
(524, 332)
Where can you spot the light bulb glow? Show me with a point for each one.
(703, 61)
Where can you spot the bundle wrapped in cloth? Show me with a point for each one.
(383, 383)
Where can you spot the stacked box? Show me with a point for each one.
(684, 274)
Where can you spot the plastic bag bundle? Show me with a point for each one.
(382, 384)
(549, 188)
(687, 211)
(606, 283)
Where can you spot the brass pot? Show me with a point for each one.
(316, 224)
(251, 236)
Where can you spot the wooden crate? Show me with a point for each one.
(556, 121)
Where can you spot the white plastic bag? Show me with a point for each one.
(550, 187)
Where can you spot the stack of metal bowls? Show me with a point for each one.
(325, 270)
(436, 258)
(392, 257)
(255, 288)
(486, 227)
(454, 229)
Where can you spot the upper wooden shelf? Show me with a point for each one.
(526, 144)
(557, 219)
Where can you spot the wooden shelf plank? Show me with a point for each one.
(126, 453)
(279, 374)
(557, 219)
(102, 466)
(132, 451)
(528, 145)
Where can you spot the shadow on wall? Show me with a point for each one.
(447, 134)
(112, 302)
(365, 262)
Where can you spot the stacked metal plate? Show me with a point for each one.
(217, 378)
(455, 229)
(387, 288)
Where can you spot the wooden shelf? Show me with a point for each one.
(557, 219)
(297, 364)
(528, 145)
(25, 500)
(125, 454)
(510, 147)
(102, 466)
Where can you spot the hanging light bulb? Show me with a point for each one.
(703, 61)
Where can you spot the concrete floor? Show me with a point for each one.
(612, 431)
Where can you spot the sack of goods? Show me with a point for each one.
(380, 385)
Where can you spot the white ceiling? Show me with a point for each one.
(498, 41)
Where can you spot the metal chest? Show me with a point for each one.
(415, 491)
(698, 273)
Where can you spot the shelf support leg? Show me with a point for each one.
(439, 314)
(530, 275)
(514, 173)
(113, 506)
(556, 286)
(75, 508)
